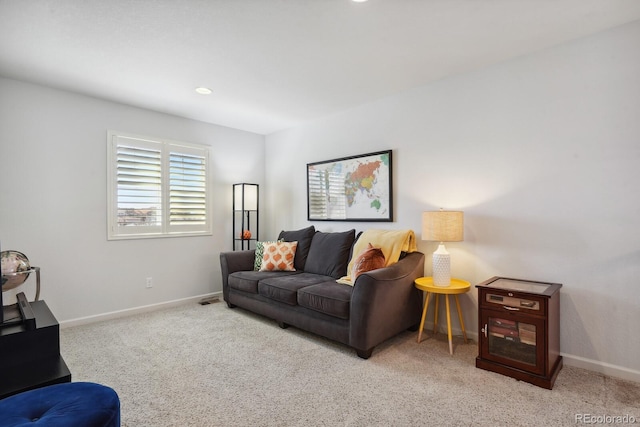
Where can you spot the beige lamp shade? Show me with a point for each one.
(443, 226)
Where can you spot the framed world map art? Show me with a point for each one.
(356, 188)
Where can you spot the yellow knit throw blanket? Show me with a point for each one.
(392, 243)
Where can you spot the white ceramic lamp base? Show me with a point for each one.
(441, 267)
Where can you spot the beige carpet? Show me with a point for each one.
(212, 366)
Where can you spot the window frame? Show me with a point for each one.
(165, 147)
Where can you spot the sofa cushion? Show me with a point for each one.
(370, 259)
(329, 298)
(284, 288)
(303, 237)
(278, 256)
(247, 281)
(259, 254)
(329, 253)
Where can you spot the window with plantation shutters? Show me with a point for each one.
(157, 188)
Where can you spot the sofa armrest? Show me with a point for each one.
(230, 262)
(385, 302)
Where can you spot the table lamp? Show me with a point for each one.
(442, 226)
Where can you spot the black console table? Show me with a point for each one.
(30, 357)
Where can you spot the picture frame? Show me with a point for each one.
(355, 188)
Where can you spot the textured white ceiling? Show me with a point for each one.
(273, 64)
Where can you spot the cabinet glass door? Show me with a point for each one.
(514, 340)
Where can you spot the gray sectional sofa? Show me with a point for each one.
(380, 304)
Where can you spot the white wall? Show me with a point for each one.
(53, 201)
(541, 153)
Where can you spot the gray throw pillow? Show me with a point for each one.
(329, 253)
(303, 237)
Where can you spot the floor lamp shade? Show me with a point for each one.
(442, 226)
(245, 197)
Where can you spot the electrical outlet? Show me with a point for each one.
(149, 282)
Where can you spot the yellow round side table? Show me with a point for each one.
(457, 286)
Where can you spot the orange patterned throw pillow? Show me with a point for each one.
(278, 256)
(370, 259)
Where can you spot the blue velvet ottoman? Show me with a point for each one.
(78, 404)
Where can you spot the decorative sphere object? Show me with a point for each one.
(246, 234)
(13, 262)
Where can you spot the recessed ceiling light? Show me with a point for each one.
(358, 1)
(203, 90)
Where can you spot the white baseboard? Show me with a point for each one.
(135, 310)
(601, 367)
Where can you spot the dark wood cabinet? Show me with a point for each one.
(30, 356)
(519, 323)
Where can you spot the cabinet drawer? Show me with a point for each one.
(513, 301)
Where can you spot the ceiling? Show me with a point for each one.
(274, 64)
